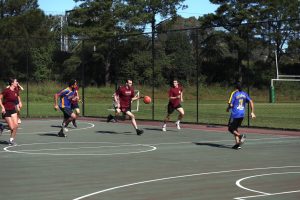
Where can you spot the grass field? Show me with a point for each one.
(268, 115)
(211, 109)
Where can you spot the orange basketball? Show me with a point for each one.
(147, 99)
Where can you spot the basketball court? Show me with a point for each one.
(100, 160)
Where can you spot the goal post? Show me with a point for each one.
(286, 78)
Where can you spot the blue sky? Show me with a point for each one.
(195, 7)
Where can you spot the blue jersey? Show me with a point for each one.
(238, 100)
(66, 96)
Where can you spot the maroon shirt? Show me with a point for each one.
(125, 96)
(10, 98)
(174, 92)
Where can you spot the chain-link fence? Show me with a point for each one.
(206, 62)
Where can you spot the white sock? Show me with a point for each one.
(11, 139)
(178, 121)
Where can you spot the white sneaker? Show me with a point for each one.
(178, 125)
(19, 121)
(64, 127)
(164, 128)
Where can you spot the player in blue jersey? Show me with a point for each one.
(65, 97)
(236, 104)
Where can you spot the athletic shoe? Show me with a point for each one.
(64, 127)
(1, 129)
(178, 125)
(109, 118)
(12, 143)
(236, 146)
(164, 128)
(74, 123)
(139, 132)
(19, 121)
(242, 138)
(61, 133)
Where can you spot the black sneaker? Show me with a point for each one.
(236, 146)
(61, 133)
(109, 118)
(74, 123)
(1, 129)
(139, 132)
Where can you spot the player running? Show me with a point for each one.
(175, 99)
(65, 96)
(74, 103)
(236, 104)
(123, 98)
(8, 99)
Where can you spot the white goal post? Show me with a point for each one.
(280, 77)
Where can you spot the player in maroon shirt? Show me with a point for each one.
(175, 99)
(75, 103)
(123, 98)
(8, 99)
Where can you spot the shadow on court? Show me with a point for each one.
(159, 129)
(48, 134)
(3, 142)
(116, 133)
(212, 145)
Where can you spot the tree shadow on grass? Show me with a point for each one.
(212, 145)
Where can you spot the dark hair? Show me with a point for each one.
(11, 80)
(72, 82)
(238, 85)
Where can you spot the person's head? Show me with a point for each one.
(129, 82)
(238, 85)
(72, 83)
(175, 83)
(12, 82)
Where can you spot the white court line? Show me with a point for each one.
(238, 182)
(176, 177)
(263, 195)
(31, 152)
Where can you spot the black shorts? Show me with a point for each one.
(67, 112)
(8, 113)
(124, 110)
(171, 108)
(235, 123)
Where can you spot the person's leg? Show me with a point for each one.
(170, 110)
(12, 122)
(233, 128)
(77, 112)
(133, 122)
(180, 116)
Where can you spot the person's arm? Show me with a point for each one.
(55, 101)
(181, 96)
(1, 104)
(252, 109)
(20, 102)
(116, 99)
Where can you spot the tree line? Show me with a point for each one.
(107, 41)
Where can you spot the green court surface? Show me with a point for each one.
(108, 161)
